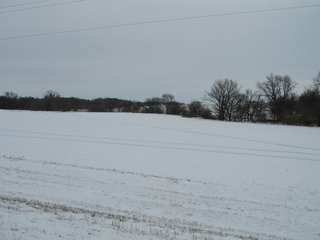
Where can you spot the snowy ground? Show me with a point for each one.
(135, 176)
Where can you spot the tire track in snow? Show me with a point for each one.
(174, 148)
(86, 138)
(172, 180)
(207, 134)
(124, 217)
(183, 198)
(189, 197)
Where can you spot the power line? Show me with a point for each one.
(23, 4)
(51, 5)
(155, 21)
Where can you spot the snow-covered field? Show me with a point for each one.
(134, 176)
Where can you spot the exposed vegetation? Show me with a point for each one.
(273, 101)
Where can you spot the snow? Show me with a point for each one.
(146, 176)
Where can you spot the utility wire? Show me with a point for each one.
(155, 21)
(23, 4)
(51, 5)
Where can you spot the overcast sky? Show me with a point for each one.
(135, 62)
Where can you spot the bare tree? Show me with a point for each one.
(167, 98)
(51, 100)
(153, 105)
(252, 107)
(168, 101)
(309, 104)
(51, 94)
(316, 83)
(197, 109)
(10, 100)
(11, 95)
(226, 97)
(278, 90)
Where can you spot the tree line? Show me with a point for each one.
(274, 100)
(52, 101)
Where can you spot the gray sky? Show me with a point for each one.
(146, 60)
